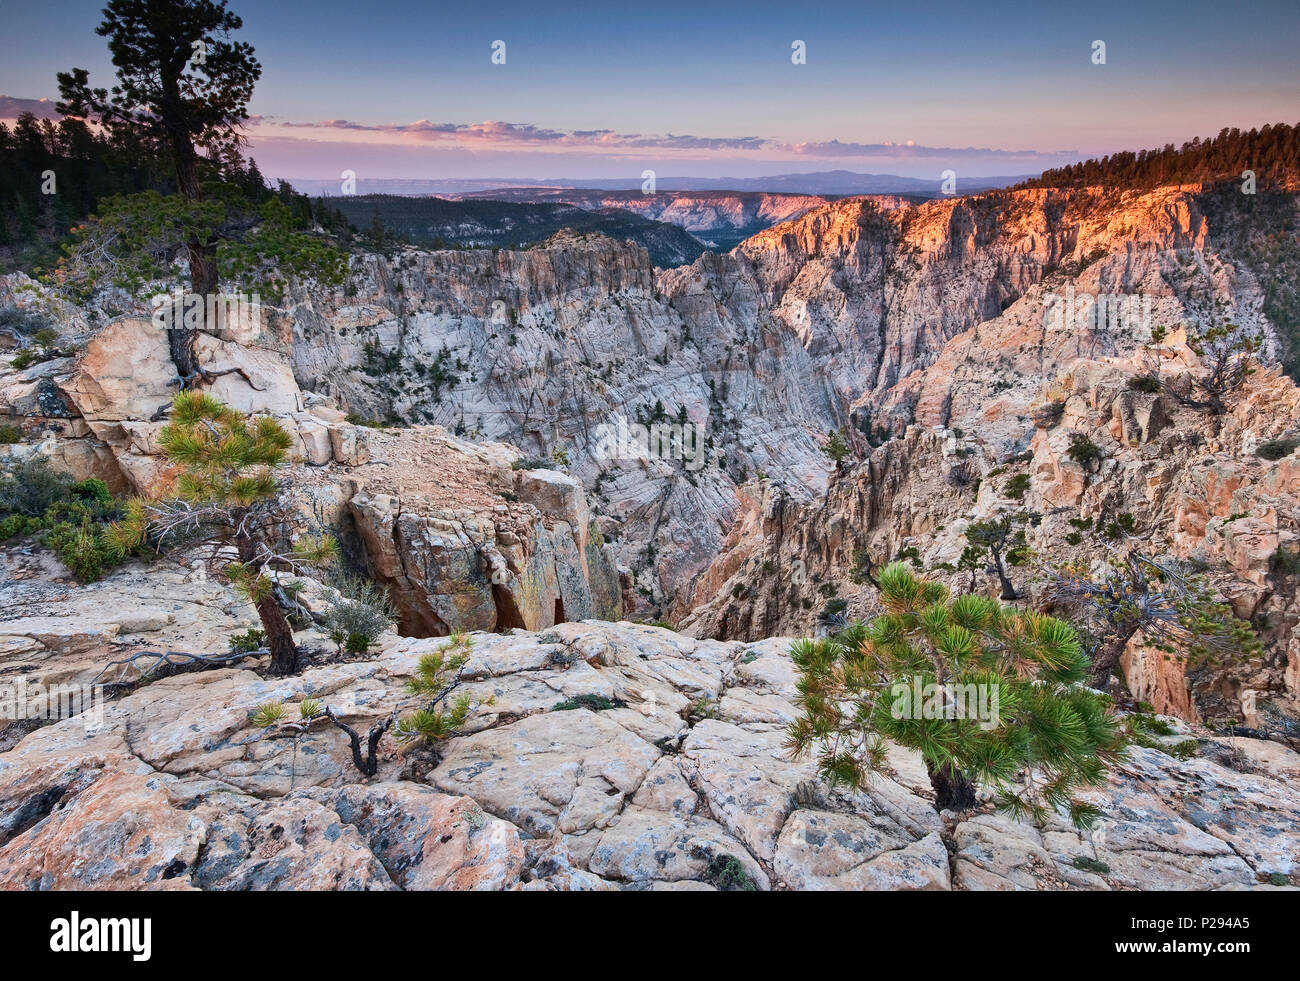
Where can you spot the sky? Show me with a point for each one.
(402, 88)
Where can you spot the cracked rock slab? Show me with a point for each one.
(821, 850)
(648, 846)
(558, 771)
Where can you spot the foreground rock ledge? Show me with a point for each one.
(177, 790)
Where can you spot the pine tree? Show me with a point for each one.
(225, 495)
(1228, 356)
(972, 561)
(997, 539)
(437, 675)
(1175, 610)
(988, 694)
(189, 109)
(836, 448)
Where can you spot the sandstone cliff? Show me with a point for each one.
(1185, 483)
(461, 538)
(866, 313)
(924, 323)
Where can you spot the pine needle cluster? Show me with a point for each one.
(1047, 737)
(436, 675)
(224, 493)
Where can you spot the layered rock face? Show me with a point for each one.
(1185, 483)
(437, 530)
(552, 350)
(866, 313)
(714, 216)
(461, 538)
(682, 780)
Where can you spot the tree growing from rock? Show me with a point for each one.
(1175, 610)
(836, 448)
(437, 675)
(993, 541)
(224, 494)
(1228, 356)
(182, 91)
(971, 561)
(989, 695)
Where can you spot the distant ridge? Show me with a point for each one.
(835, 182)
(439, 224)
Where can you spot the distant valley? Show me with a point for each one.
(439, 223)
(719, 219)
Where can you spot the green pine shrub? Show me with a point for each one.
(1083, 450)
(857, 689)
(70, 517)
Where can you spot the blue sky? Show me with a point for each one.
(609, 89)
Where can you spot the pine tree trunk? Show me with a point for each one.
(279, 635)
(1008, 587)
(952, 791)
(1108, 655)
(202, 257)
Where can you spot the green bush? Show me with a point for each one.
(833, 610)
(81, 548)
(836, 448)
(32, 486)
(10, 434)
(1034, 714)
(1286, 562)
(1086, 864)
(249, 640)
(1083, 450)
(594, 703)
(909, 553)
(361, 612)
(1016, 487)
(1047, 414)
(532, 463)
(726, 874)
(1276, 449)
(1144, 383)
(1124, 524)
(18, 524)
(35, 498)
(27, 322)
